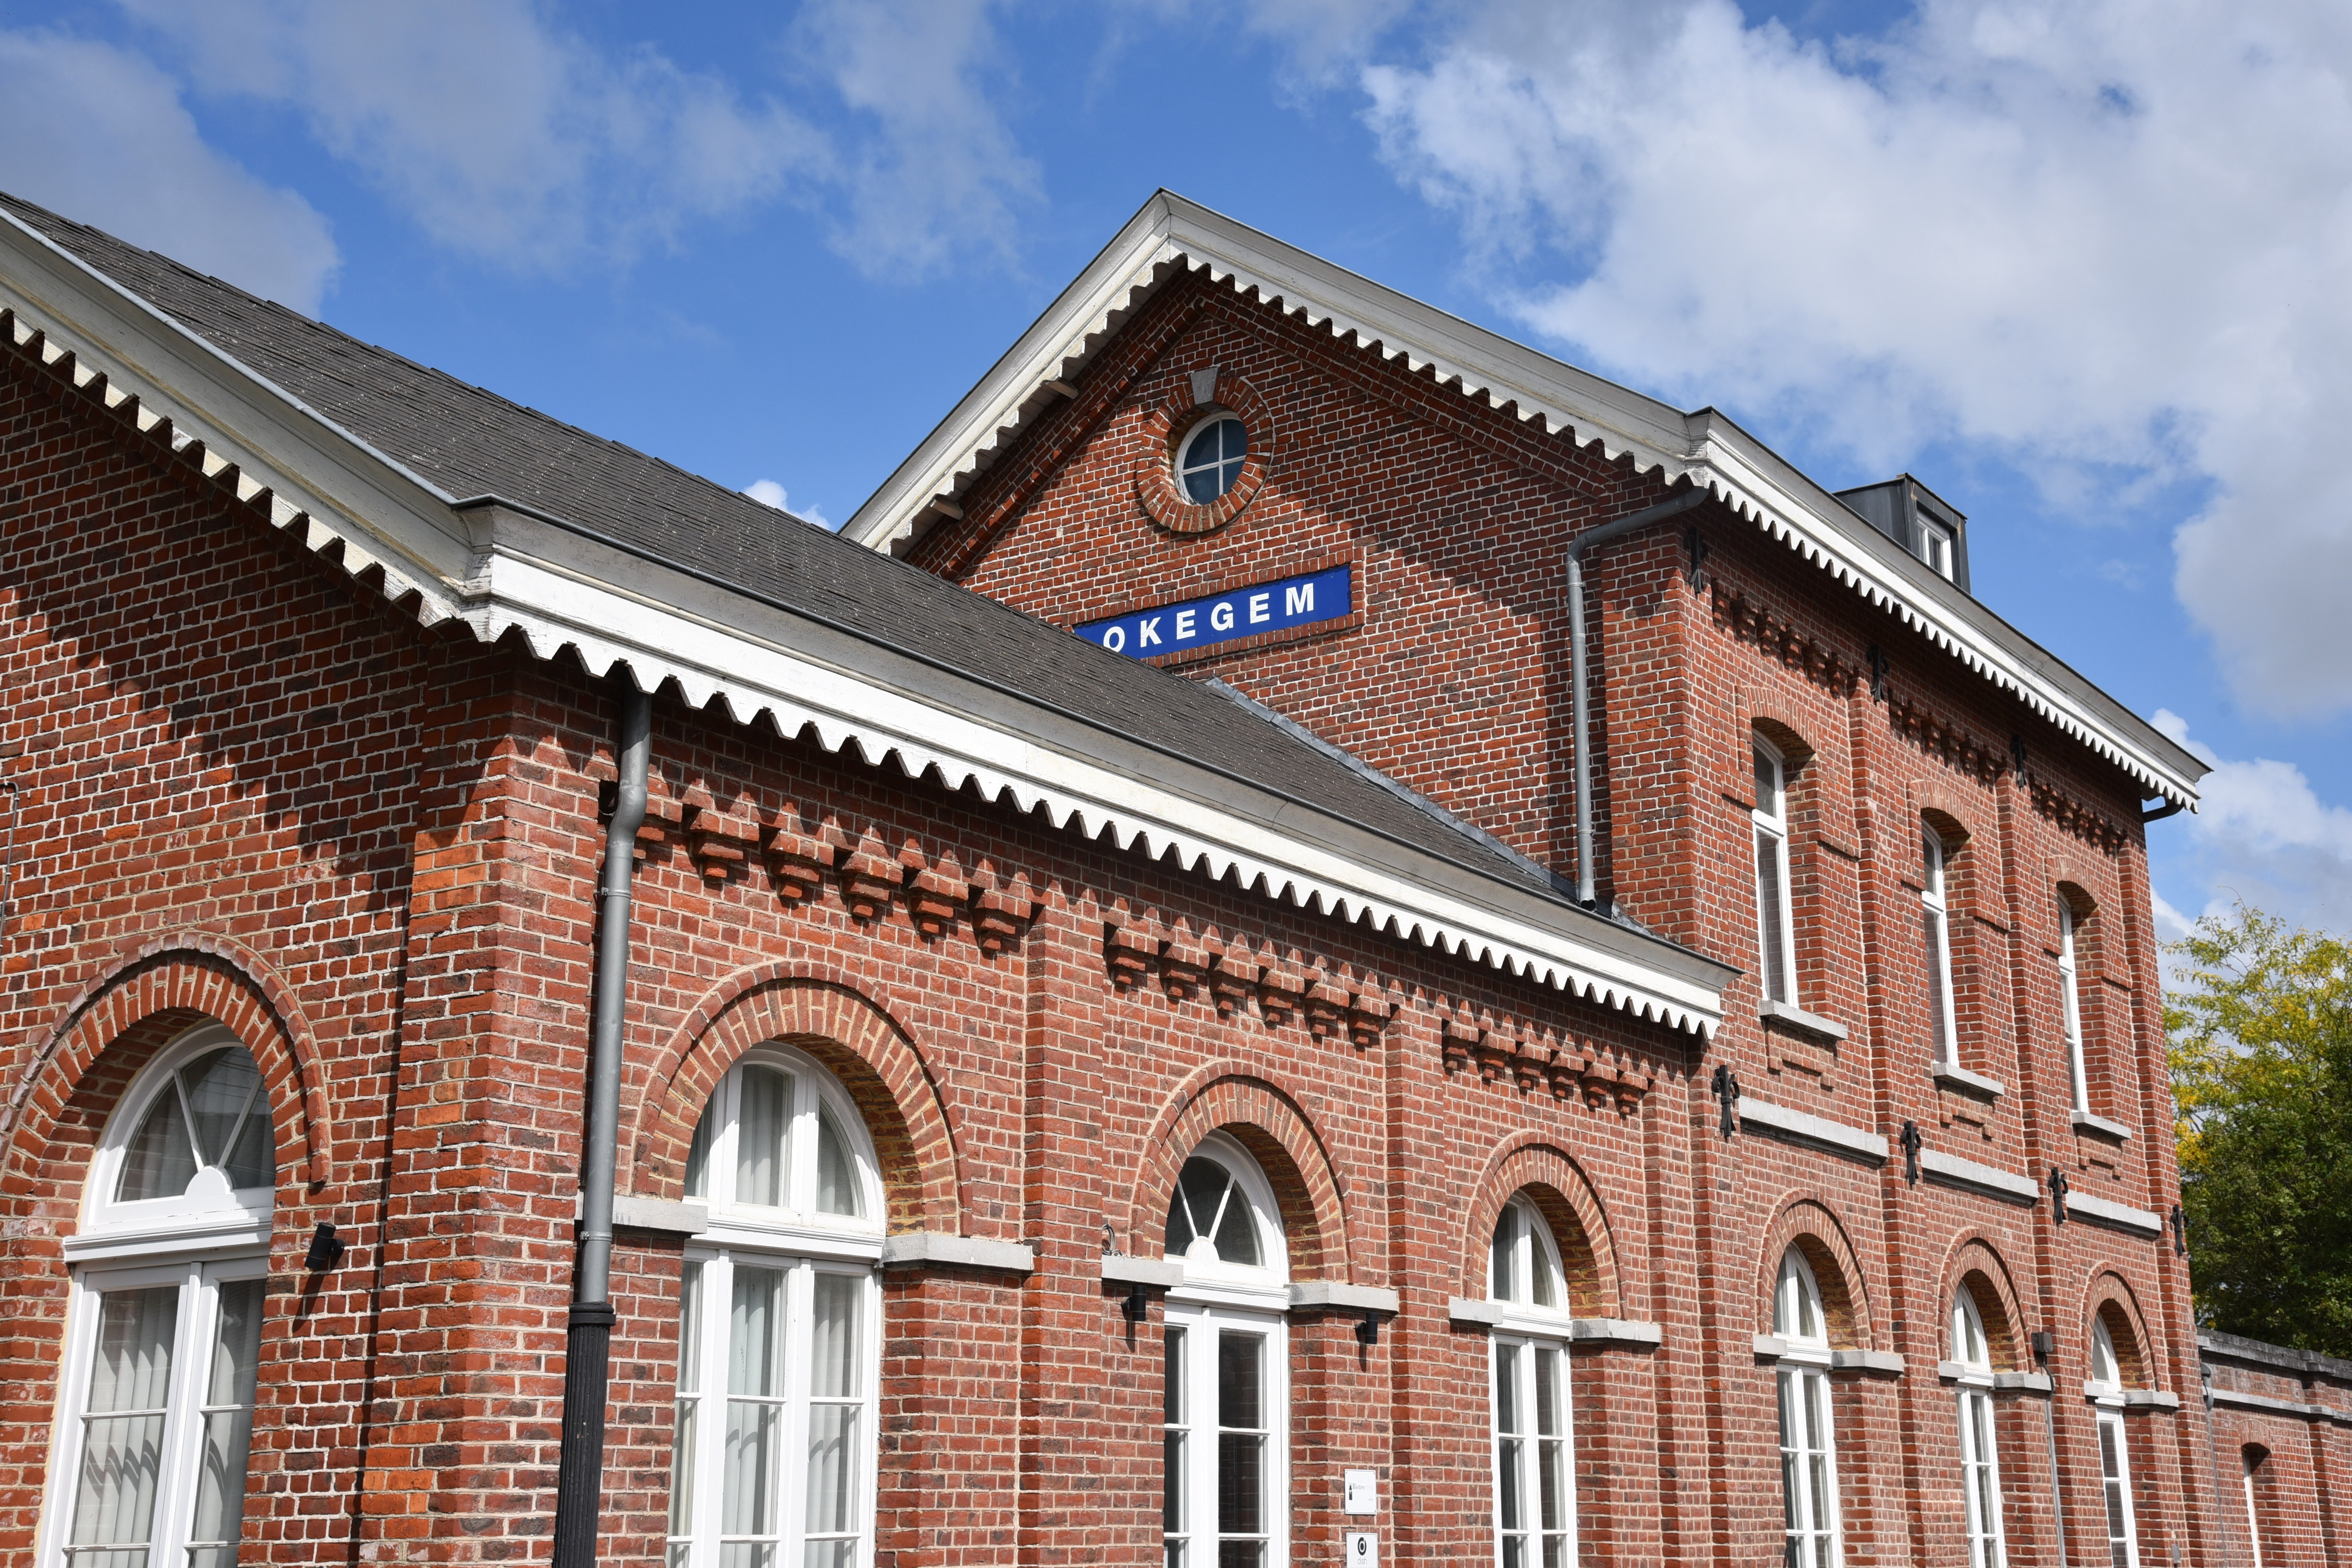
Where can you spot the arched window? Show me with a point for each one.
(2106, 1391)
(1935, 914)
(1535, 1483)
(780, 1326)
(1776, 964)
(1209, 462)
(1225, 1388)
(164, 1334)
(1980, 1458)
(1808, 1444)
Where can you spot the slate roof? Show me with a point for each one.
(470, 442)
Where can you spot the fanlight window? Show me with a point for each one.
(2106, 1374)
(1526, 1264)
(206, 1117)
(1211, 461)
(1214, 1217)
(775, 1143)
(1796, 1303)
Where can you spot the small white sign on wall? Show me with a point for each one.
(1363, 1549)
(1363, 1494)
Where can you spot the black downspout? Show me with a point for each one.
(1579, 702)
(588, 1343)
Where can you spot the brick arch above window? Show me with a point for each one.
(150, 993)
(1974, 1264)
(1953, 811)
(1265, 1116)
(853, 1036)
(1806, 1223)
(1168, 424)
(2111, 1301)
(1529, 1165)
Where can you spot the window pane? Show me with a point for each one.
(1171, 1392)
(1179, 1226)
(764, 1115)
(1240, 1379)
(1201, 485)
(832, 1432)
(830, 1553)
(122, 1433)
(1171, 1492)
(218, 1088)
(756, 1322)
(1939, 983)
(1773, 950)
(1240, 1483)
(698, 1155)
(1506, 1471)
(1500, 1286)
(681, 1470)
(836, 1171)
(833, 1335)
(748, 1504)
(1548, 1411)
(159, 1161)
(1767, 785)
(1237, 1232)
(252, 1161)
(1507, 1388)
(1200, 1190)
(227, 1422)
(1240, 1553)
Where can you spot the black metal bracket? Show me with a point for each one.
(2180, 1233)
(1912, 1142)
(1877, 673)
(326, 1248)
(1136, 1307)
(2045, 1345)
(2057, 1196)
(1725, 1086)
(1697, 545)
(2017, 754)
(1368, 1331)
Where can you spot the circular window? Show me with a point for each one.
(1209, 462)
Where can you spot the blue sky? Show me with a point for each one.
(2084, 269)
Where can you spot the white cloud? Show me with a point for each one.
(506, 136)
(768, 492)
(2260, 835)
(102, 136)
(2108, 241)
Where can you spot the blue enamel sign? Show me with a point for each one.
(1250, 612)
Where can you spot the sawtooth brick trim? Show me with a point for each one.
(854, 1036)
(188, 977)
(1155, 470)
(1265, 1114)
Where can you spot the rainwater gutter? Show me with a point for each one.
(588, 1339)
(1592, 538)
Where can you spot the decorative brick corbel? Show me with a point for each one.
(999, 915)
(1234, 978)
(1600, 1082)
(721, 843)
(869, 882)
(664, 812)
(799, 862)
(1458, 1039)
(1327, 1010)
(1279, 995)
(1633, 1085)
(1530, 1068)
(1565, 1075)
(1368, 1018)
(932, 900)
(1495, 1054)
(1129, 955)
(1183, 969)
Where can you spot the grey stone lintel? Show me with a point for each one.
(917, 1248)
(631, 1213)
(1952, 1171)
(1797, 1021)
(1801, 1127)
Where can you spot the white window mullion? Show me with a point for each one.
(2115, 1477)
(1776, 934)
(2071, 1000)
(1936, 915)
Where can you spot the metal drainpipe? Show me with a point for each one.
(588, 1342)
(1590, 538)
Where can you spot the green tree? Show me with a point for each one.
(2261, 1030)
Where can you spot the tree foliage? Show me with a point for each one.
(2260, 1020)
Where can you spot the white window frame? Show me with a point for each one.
(210, 1235)
(1186, 467)
(1980, 1443)
(1936, 915)
(2105, 1389)
(1217, 1298)
(1530, 1347)
(1802, 1383)
(1777, 972)
(800, 1243)
(1936, 547)
(2071, 1000)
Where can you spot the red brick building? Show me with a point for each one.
(1060, 1109)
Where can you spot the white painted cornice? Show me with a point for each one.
(1171, 235)
(500, 568)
